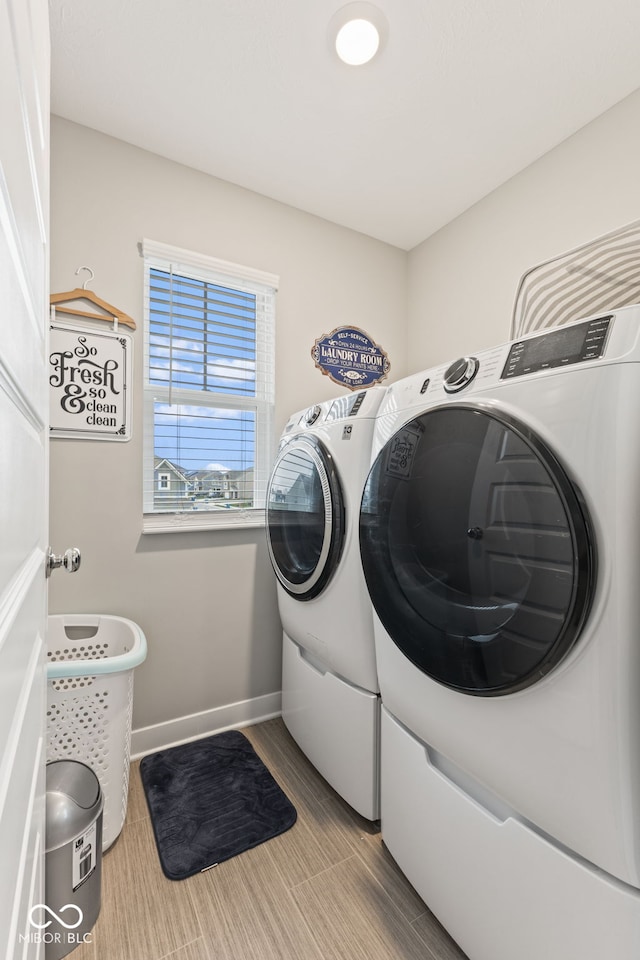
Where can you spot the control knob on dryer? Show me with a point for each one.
(460, 373)
(312, 415)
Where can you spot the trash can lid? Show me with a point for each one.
(74, 801)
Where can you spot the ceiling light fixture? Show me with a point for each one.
(357, 32)
(357, 42)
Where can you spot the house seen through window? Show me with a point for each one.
(209, 387)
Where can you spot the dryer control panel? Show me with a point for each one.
(558, 348)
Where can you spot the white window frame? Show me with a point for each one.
(201, 267)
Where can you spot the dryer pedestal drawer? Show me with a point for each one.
(335, 724)
(500, 889)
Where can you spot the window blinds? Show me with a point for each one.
(202, 336)
(209, 385)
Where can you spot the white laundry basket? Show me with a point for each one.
(91, 659)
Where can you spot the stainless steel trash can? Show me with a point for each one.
(73, 860)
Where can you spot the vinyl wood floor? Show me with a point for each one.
(325, 890)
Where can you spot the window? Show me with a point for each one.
(209, 390)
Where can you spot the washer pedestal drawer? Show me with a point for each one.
(335, 724)
(500, 889)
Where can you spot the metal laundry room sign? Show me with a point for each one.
(350, 357)
(89, 381)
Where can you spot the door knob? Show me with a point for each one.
(70, 560)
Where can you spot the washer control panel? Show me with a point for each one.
(346, 406)
(460, 373)
(571, 344)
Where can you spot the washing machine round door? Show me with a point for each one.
(477, 550)
(305, 517)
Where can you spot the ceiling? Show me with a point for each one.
(465, 94)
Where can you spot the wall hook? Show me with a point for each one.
(84, 285)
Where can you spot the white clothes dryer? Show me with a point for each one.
(330, 700)
(500, 543)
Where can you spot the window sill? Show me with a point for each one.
(202, 522)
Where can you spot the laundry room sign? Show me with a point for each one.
(89, 381)
(350, 357)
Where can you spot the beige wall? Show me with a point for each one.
(206, 601)
(463, 279)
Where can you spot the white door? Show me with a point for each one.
(24, 255)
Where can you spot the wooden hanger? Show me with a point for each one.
(82, 293)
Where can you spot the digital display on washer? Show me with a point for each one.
(574, 344)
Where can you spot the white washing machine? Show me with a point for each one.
(330, 700)
(500, 540)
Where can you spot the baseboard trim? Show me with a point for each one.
(232, 716)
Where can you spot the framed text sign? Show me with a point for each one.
(90, 383)
(348, 356)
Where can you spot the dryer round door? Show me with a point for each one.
(477, 550)
(305, 517)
